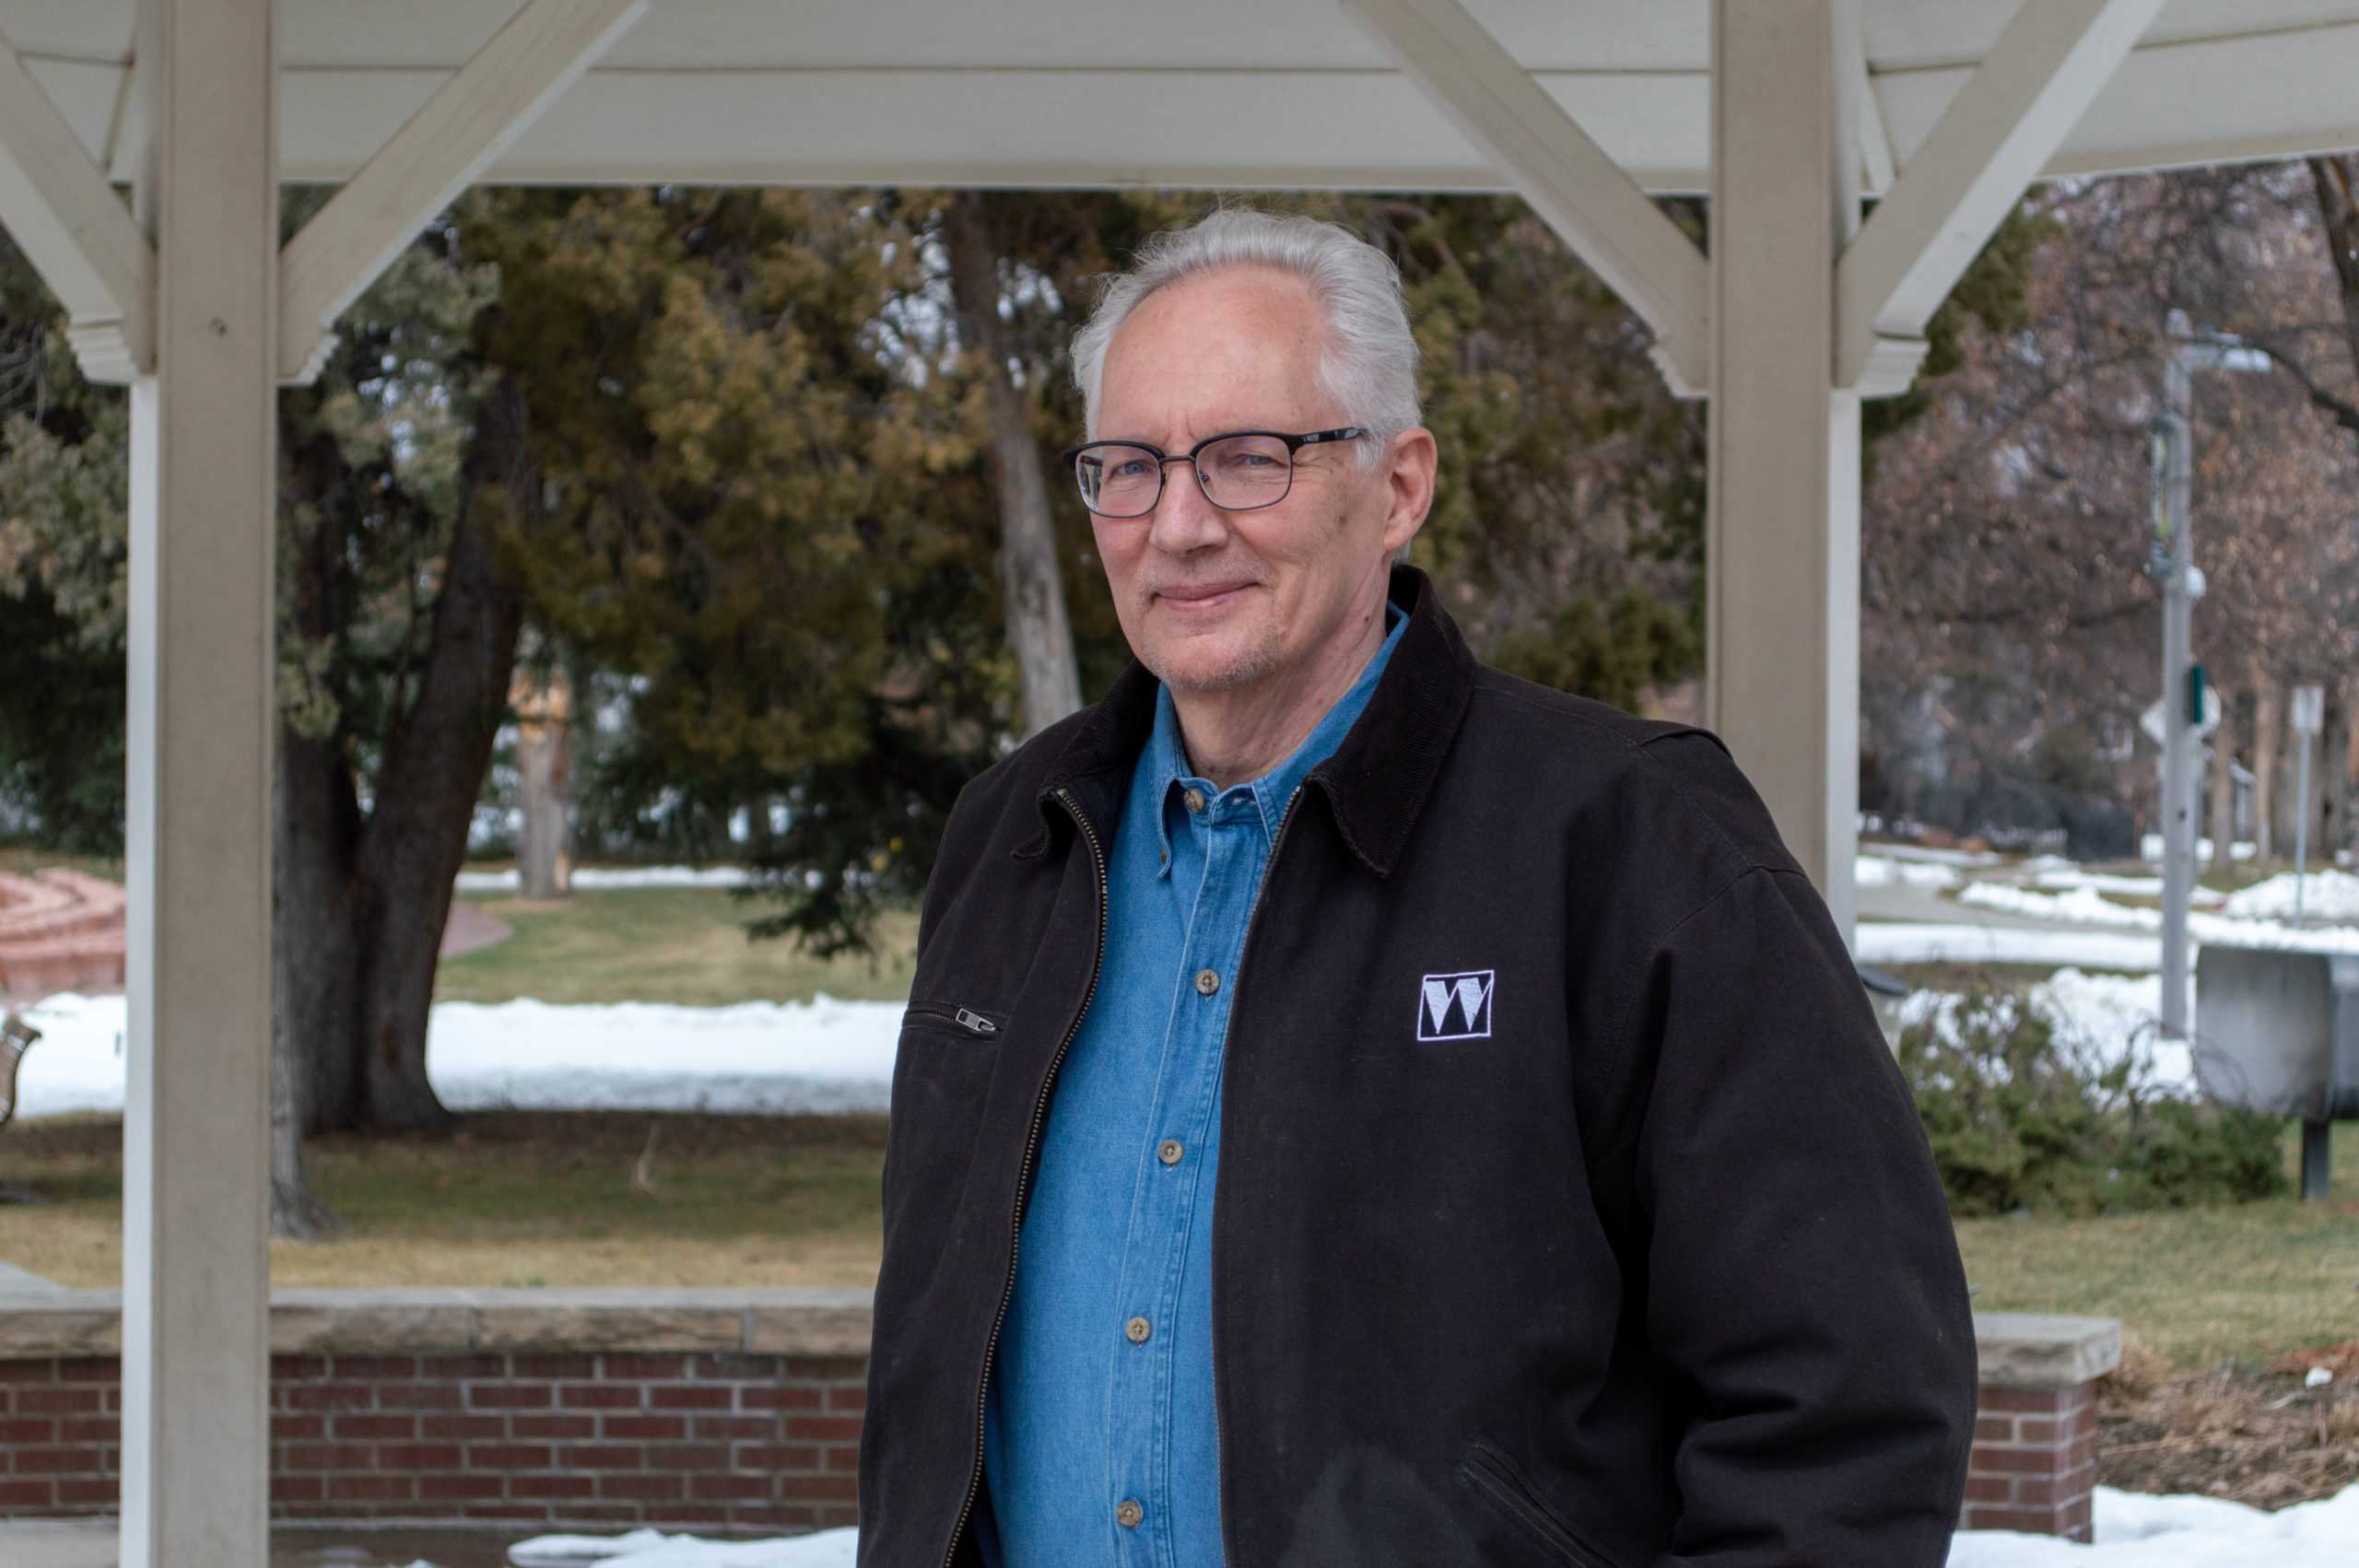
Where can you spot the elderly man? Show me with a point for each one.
(1356, 1108)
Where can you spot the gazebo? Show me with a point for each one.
(143, 143)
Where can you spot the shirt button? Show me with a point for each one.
(1206, 982)
(1195, 799)
(1128, 1514)
(1138, 1330)
(1169, 1151)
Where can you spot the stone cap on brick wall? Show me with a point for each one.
(756, 1322)
(2029, 1350)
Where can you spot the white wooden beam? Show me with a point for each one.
(1589, 200)
(487, 102)
(77, 232)
(1877, 167)
(2008, 120)
(199, 723)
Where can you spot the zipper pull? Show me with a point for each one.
(977, 1021)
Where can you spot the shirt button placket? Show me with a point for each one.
(1128, 1512)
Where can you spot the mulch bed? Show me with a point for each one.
(2254, 1434)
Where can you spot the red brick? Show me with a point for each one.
(575, 1365)
(508, 1456)
(454, 1488)
(639, 1368)
(88, 1369)
(418, 1395)
(327, 1457)
(44, 1402)
(845, 1457)
(332, 1397)
(844, 1487)
(553, 1426)
(748, 1487)
(296, 1488)
(420, 1456)
(285, 1428)
(1989, 1488)
(707, 1427)
(688, 1456)
(657, 1428)
(551, 1486)
(828, 1369)
(88, 1429)
(2037, 1401)
(28, 1371)
(601, 1456)
(847, 1396)
(370, 1489)
(28, 1428)
(2038, 1430)
(288, 1369)
(2014, 1461)
(356, 1426)
(737, 1368)
(824, 1428)
(781, 1397)
(779, 1456)
(687, 1397)
(508, 1396)
(376, 1369)
(1984, 1517)
(26, 1492)
(442, 1367)
(600, 1396)
(81, 1492)
(479, 1427)
(644, 1488)
(58, 1461)
(504, 1511)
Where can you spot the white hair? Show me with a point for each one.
(1370, 363)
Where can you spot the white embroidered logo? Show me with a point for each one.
(1455, 1007)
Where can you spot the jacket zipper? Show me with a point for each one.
(1039, 1112)
(1491, 1474)
(966, 1017)
(1252, 918)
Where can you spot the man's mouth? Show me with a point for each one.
(1203, 595)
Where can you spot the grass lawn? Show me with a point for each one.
(686, 945)
(2200, 1286)
(511, 1199)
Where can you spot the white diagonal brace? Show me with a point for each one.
(1570, 181)
(535, 57)
(1992, 141)
(77, 232)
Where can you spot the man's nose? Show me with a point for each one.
(1184, 518)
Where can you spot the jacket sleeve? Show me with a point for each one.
(1804, 1289)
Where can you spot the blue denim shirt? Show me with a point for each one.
(1101, 1398)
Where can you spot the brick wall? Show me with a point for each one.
(600, 1439)
(2035, 1465)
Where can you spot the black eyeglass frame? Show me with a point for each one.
(1070, 457)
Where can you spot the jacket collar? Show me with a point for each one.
(1375, 782)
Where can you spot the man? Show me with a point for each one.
(1356, 1108)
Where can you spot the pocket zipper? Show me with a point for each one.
(1492, 1475)
(966, 1018)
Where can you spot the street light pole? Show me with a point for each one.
(2182, 585)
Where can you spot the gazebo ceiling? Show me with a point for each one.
(1238, 93)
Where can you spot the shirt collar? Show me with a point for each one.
(1166, 761)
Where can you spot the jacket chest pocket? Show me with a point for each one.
(1499, 1483)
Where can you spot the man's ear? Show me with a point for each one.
(1408, 467)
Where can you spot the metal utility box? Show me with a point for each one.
(2277, 1030)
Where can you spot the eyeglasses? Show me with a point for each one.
(1237, 472)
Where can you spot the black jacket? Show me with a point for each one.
(1637, 1259)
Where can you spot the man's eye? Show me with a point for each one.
(1131, 469)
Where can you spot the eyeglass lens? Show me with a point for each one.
(1238, 472)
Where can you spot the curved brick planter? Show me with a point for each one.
(59, 931)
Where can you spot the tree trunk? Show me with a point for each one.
(2341, 762)
(2268, 736)
(433, 769)
(1032, 583)
(543, 759)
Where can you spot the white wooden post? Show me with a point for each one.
(1782, 555)
(196, 1261)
